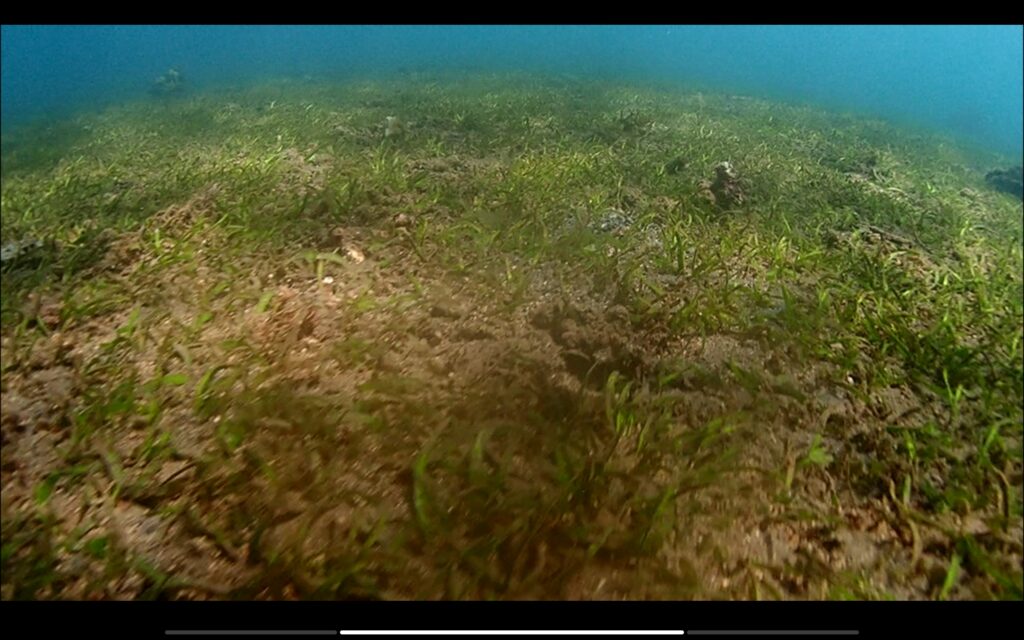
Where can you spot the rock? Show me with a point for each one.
(725, 173)
(725, 189)
(337, 236)
(393, 126)
(25, 253)
(1007, 180)
(618, 314)
(613, 221)
(446, 309)
(54, 350)
(15, 412)
(355, 254)
(403, 221)
(389, 362)
(170, 83)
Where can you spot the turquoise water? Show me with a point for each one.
(966, 81)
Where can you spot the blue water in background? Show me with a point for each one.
(966, 81)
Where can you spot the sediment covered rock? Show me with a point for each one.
(1007, 180)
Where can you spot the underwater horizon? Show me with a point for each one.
(561, 313)
(962, 80)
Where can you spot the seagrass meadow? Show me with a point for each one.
(506, 337)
